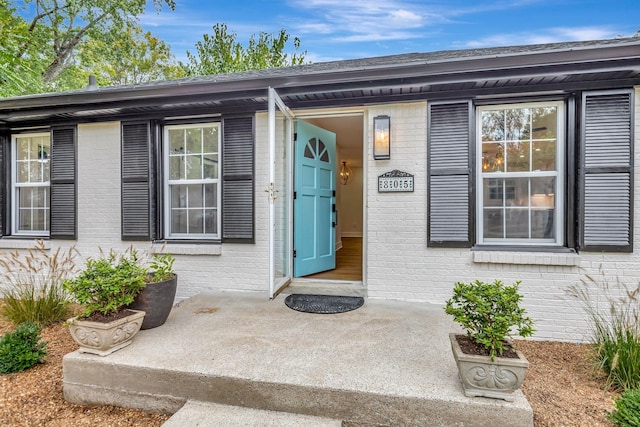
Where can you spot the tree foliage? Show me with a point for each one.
(54, 45)
(220, 52)
(41, 42)
(64, 25)
(129, 57)
(15, 76)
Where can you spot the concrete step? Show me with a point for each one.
(386, 363)
(207, 414)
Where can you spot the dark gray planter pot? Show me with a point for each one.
(480, 376)
(156, 300)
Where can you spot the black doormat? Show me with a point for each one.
(323, 304)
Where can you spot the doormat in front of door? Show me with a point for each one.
(323, 304)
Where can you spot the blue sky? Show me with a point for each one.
(344, 29)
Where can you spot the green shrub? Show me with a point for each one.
(627, 412)
(615, 328)
(161, 267)
(34, 278)
(21, 349)
(488, 312)
(109, 283)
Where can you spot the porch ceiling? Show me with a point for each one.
(560, 68)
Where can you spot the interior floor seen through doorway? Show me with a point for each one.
(348, 262)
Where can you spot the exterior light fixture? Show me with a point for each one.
(381, 138)
(346, 174)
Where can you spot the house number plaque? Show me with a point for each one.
(395, 181)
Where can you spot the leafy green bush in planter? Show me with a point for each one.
(627, 412)
(109, 283)
(488, 312)
(21, 349)
(161, 267)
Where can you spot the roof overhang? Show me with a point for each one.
(566, 68)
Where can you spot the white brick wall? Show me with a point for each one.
(400, 266)
(398, 263)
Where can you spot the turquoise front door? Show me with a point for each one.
(314, 233)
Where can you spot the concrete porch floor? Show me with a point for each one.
(388, 363)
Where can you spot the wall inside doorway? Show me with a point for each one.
(349, 146)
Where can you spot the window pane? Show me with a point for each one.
(176, 141)
(194, 166)
(211, 221)
(24, 218)
(518, 156)
(544, 155)
(210, 166)
(45, 171)
(178, 221)
(22, 152)
(195, 196)
(493, 224)
(517, 223)
(25, 196)
(542, 192)
(35, 171)
(176, 167)
(493, 193)
(545, 121)
(38, 219)
(210, 196)
(542, 224)
(493, 125)
(518, 124)
(210, 140)
(492, 157)
(307, 152)
(22, 173)
(196, 221)
(178, 196)
(194, 141)
(516, 192)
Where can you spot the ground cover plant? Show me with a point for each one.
(627, 411)
(33, 280)
(615, 327)
(22, 348)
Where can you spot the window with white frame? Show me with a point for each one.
(30, 184)
(520, 171)
(192, 181)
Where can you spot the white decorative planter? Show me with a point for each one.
(482, 377)
(105, 338)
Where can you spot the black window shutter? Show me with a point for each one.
(607, 171)
(5, 181)
(63, 183)
(138, 199)
(238, 180)
(450, 169)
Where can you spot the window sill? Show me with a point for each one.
(22, 243)
(186, 249)
(565, 258)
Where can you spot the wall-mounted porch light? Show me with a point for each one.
(381, 138)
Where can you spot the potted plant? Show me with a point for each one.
(105, 287)
(488, 364)
(156, 299)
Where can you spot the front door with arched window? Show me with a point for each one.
(314, 205)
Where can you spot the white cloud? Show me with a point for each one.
(540, 36)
